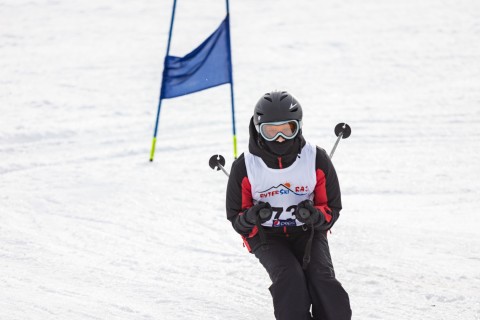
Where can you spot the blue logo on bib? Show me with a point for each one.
(284, 223)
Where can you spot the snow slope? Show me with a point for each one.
(89, 229)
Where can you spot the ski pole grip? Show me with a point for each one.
(304, 213)
(265, 213)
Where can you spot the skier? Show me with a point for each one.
(282, 198)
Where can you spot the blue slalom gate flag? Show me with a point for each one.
(207, 66)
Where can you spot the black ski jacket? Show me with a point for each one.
(327, 196)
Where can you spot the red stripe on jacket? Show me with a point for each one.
(321, 199)
(247, 202)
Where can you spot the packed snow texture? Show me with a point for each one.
(90, 229)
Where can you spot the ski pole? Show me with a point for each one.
(217, 162)
(342, 131)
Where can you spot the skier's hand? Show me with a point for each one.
(308, 214)
(247, 220)
(262, 210)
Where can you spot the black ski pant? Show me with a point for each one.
(295, 290)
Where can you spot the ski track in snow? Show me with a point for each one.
(89, 229)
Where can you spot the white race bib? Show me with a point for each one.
(283, 188)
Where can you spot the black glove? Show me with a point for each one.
(246, 221)
(308, 214)
(263, 210)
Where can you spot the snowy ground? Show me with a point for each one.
(89, 229)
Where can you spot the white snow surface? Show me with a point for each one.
(90, 229)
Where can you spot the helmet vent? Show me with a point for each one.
(284, 95)
(268, 98)
(294, 109)
(259, 114)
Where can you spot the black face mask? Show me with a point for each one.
(280, 148)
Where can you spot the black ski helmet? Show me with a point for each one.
(277, 106)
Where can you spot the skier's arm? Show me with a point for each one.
(239, 197)
(327, 197)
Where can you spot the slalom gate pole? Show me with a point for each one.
(231, 83)
(154, 141)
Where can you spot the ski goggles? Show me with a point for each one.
(270, 131)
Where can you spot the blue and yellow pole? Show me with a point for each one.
(231, 84)
(152, 151)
